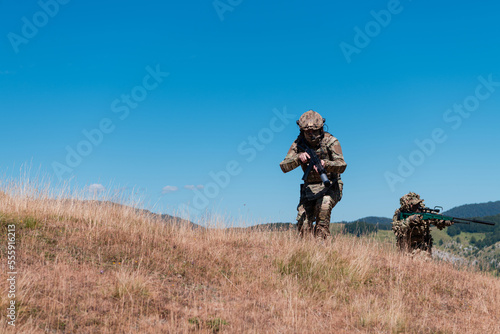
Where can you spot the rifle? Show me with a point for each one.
(427, 213)
(314, 160)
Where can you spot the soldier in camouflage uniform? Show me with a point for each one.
(413, 233)
(316, 200)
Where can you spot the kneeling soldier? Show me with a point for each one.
(413, 233)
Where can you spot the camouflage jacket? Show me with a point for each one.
(330, 152)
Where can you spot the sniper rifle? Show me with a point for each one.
(428, 213)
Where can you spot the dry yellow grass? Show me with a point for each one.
(89, 267)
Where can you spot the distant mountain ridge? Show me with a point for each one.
(475, 210)
(373, 220)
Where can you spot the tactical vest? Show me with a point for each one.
(323, 153)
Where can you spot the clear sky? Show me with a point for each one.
(192, 104)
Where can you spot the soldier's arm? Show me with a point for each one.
(412, 220)
(291, 160)
(441, 224)
(416, 220)
(398, 225)
(395, 217)
(337, 165)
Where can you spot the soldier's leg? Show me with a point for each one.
(401, 243)
(428, 243)
(400, 229)
(415, 237)
(305, 218)
(323, 212)
(422, 241)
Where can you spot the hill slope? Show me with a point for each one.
(169, 219)
(87, 268)
(475, 210)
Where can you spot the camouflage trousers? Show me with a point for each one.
(318, 211)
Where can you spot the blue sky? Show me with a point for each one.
(193, 104)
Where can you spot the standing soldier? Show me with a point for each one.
(413, 233)
(316, 199)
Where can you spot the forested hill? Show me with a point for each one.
(374, 220)
(475, 210)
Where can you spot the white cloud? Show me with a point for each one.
(169, 189)
(192, 187)
(96, 188)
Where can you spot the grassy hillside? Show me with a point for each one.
(100, 268)
(474, 244)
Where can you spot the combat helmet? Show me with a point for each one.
(310, 120)
(311, 127)
(409, 200)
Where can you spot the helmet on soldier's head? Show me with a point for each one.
(310, 120)
(409, 200)
(311, 126)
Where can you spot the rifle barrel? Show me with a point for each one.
(458, 220)
(449, 218)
